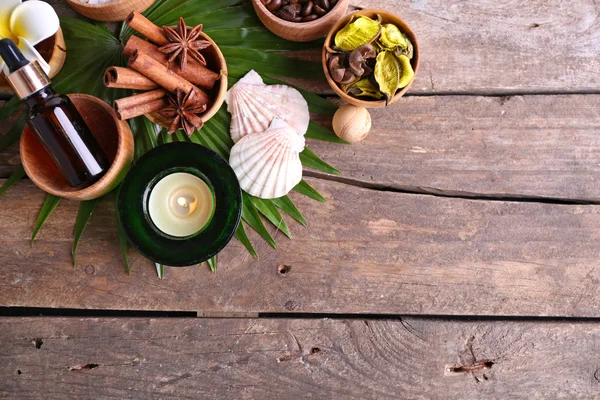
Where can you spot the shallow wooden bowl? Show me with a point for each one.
(53, 50)
(388, 18)
(114, 137)
(300, 31)
(115, 11)
(215, 61)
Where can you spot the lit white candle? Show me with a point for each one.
(180, 204)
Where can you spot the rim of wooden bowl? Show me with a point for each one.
(113, 176)
(114, 11)
(219, 93)
(56, 61)
(311, 30)
(387, 18)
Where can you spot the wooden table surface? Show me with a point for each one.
(457, 256)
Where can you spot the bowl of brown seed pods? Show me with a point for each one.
(300, 20)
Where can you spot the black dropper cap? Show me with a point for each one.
(11, 55)
(25, 77)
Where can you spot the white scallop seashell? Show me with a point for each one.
(34, 20)
(267, 163)
(253, 105)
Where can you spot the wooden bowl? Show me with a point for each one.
(115, 11)
(215, 61)
(53, 50)
(300, 31)
(388, 18)
(114, 137)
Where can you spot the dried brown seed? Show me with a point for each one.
(308, 8)
(309, 18)
(319, 11)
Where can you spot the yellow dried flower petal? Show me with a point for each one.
(361, 31)
(391, 37)
(407, 73)
(387, 73)
(362, 88)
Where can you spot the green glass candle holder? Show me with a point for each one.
(137, 186)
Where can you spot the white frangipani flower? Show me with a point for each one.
(27, 24)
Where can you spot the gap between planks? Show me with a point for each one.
(10, 312)
(452, 194)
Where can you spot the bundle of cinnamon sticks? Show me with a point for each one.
(154, 74)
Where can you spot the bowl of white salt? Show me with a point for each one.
(109, 10)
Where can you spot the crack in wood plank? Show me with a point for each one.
(455, 194)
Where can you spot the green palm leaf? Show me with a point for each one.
(13, 134)
(212, 263)
(240, 61)
(310, 159)
(49, 205)
(307, 190)
(86, 208)
(91, 49)
(241, 235)
(160, 270)
(15, 177)
(246, 45)
(286, 205)
(252, 218)
(10, 107)
(316, 131)
(268, 209)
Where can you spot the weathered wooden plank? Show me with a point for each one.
(496, 47)
(507, 146)
(290, 358)
(502, 46)
(544, 146)
(365, 251)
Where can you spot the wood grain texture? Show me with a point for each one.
(495, 47)
(365, 251)
(545, 146)
(502, 46)
(277, 359)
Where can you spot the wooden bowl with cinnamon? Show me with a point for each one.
(178, 73)
(215, 61)
(114, 137)
(53, 50)
(112, 11)
(300, 31)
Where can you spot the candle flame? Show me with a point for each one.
(182, 202)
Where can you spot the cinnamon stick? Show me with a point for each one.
(141, 109)
(195, 72)
(143, 25)
(159, 73)
(139, 99)
(125, 78)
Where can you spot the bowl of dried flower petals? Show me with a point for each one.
(370, 58)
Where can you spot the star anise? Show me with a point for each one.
(183, 109)
(184, 43)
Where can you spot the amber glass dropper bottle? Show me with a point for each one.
(55, 120)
